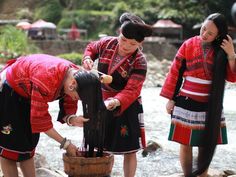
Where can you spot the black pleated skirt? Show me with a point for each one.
(17, 142)
(123, 132)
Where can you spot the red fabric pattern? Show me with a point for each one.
(143, 137)
(196, 87)
(41, 81)
(196, 66)
(14, 155)
(10, 154)
(9, 63)
(130, 93)
(182, 134)
(106, 49)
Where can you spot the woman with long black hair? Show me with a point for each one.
(27, 85)
(123, 59)
(195, 88)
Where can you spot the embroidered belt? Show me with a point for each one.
(196, 88)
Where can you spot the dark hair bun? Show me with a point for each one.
(136, 31)
(133, 27)
(128, 17)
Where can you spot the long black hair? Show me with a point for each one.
(89, 90)
(215, 105)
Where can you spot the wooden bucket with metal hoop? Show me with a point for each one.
(81, 166)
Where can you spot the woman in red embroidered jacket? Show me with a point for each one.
(195, 89)
(122, 58)
(26, 86)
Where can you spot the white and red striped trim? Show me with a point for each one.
(195, 88)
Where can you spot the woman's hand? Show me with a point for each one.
(228, 46)
(66, 144)
(170, 106)
(87, 63)
(77, 121)
(111, 103)
(71, 150)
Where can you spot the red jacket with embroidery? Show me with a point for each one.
(128, 73)
(190, 60)
(40, 78)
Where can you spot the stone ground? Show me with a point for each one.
(43, 170)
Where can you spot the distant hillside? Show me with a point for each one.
(9, 8)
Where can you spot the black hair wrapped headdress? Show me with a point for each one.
(133, 27)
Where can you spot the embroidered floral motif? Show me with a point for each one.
(124, 130)
(6, 129)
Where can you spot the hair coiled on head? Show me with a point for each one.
(89, 90)
(133, 27)
(215, 105)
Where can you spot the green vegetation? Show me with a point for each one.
(73, 57)
(14, 43)
(190, 12)
(101, 16)
(49, 11)
(94, 21)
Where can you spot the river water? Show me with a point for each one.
(165, 160)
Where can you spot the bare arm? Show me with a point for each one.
(228, 46)
(170, 106)
(52, 133)
(74, 120)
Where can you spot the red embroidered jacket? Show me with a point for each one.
(196, 69)
(40, 78)
(128, 73)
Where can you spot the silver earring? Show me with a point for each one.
(71, 88)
